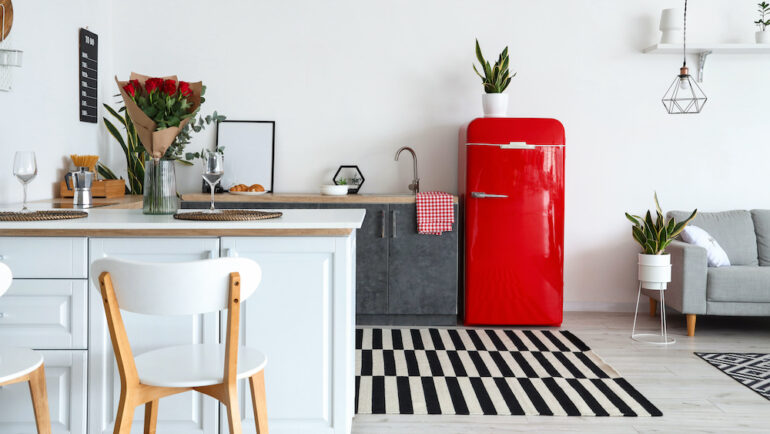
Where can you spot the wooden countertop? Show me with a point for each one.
(304, 198)
(132, 223)
(125, 202)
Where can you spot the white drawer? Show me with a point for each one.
(45, 257)
(45, 314)
(65, 378)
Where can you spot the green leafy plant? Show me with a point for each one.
(185, 136)
(342, 181)
(496, 78)
(764, 11)
(132, 148)
(655, 236)
(136, 154)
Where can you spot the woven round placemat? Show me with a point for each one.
(228, 215)
(36, 216)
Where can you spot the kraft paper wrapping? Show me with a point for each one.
(156, 142)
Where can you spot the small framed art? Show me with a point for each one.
(249, 149)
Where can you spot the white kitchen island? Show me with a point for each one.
(301, 317)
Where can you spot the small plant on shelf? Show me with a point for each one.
(764, 16)
(655, 236)
(496, 78)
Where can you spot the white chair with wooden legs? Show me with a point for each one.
(185, 288)
(21, 364)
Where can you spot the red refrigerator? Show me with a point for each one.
(511, 182)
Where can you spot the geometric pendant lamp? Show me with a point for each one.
(684, 96)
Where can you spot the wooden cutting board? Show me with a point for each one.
(7, 18)
(108, 188)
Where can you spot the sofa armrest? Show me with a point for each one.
(689, 270)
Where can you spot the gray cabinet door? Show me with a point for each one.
(371, 258)
(422, 268)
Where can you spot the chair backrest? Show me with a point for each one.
(6, 276)
(181, 288)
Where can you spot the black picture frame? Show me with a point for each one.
(228, 147)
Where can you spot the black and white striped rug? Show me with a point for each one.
(750, 369)
(488, 372)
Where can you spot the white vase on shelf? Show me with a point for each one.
(762, 37)
(495, 105)
(671, 26)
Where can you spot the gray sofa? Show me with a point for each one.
(742, 289)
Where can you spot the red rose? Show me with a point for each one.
(152, 84)
(130, 89)
(184, 88)
(169, 86)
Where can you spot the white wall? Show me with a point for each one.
(351, 81)
(40, 113)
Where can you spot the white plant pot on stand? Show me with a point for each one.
(762, 37)
(495, 105)
(654, 274)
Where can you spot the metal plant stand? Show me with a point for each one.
(653, 338)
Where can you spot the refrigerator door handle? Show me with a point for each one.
(517, 145)
(511, 145)
(482, 195)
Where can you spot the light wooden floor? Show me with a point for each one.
(693, 395)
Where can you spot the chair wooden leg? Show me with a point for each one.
(40, 400)
(259, 401)
(125, 414)
(150, 416)
(690, 324)
(233, 410)
(653, 306)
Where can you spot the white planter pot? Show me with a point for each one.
(495, 105)
(671, 22)
(654, 271)
(762, 37)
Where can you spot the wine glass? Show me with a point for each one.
(25, 169)
(214, 168)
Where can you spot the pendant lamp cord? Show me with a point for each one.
(684, 44)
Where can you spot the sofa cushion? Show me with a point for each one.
(733, 230)
(715, 254)
(761, 219)
(739, 284)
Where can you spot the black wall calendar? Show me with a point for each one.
(88, 61)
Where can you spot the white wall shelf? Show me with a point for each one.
(704, 50)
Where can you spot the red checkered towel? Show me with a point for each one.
(435, 212)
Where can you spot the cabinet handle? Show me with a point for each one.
(393, 215)
(2, 314)
(382, 224)
(2, 257)
(231, 253)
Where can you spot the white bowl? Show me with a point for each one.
(334, 190)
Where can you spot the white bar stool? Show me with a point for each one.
(185, 288)
(21, 364)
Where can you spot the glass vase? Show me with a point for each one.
(160, 187)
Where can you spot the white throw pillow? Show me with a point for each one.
(716, 255)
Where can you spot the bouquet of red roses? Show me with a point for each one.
(159, 108)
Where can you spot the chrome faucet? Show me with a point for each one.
(414, 187)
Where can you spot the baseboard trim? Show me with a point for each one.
(600, 306)
(410, 320)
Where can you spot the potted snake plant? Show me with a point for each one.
(495, 80)
(762, 35)
(654, 236)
